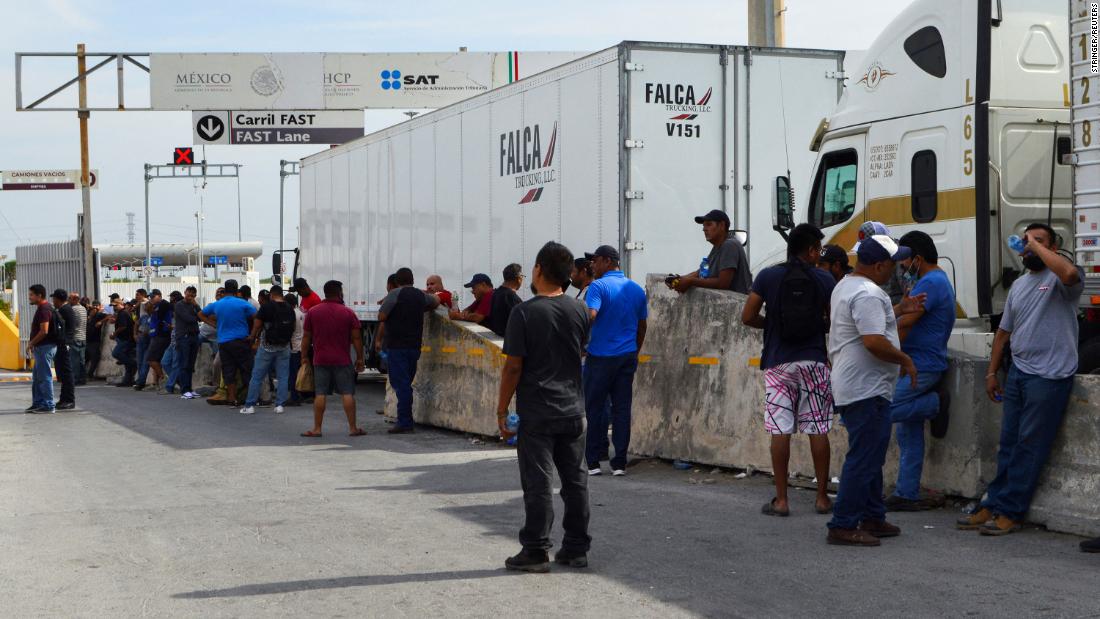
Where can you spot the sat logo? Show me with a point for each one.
(393, 79)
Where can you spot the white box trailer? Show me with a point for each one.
(622, 147)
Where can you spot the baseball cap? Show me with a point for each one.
(480, 278)
(836, 254)
(714, 215)
(604, 251)
(875, 249)
(869, 229)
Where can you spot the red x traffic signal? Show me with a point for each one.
(184, 155)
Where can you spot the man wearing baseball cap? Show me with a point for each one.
(834, 260)
(726, 267)
(617, 309)
(864, 349)
(482, 307)
(893, 285)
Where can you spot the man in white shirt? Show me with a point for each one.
(295, 351)
(865, 353)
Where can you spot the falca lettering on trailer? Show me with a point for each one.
(679, 98)
(522, 156)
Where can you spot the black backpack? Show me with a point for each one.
(801, 307)
(57, 327)
(281, 328)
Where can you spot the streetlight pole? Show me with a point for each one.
(85, 193)
(283, 173)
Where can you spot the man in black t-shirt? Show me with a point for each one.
(96, 321)
(125, 350)
(544, 343)
(401, 333)
(63, 364)
(504, 299)
(272, 329)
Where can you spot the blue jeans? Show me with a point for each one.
(142, 359)
(278, 358)
(170, 366)
(1033, 410)
(910, 409)
(41, 378)
(402, 373)
(187, 348)
(124, 354)
(606, 377)
(860, 495)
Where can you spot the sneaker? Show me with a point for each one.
(166, 392)
(571, 559)
(65, 406)
(525, 561)
(138, 386)
(1000, 525)
(39, 410)
(279, 410)
(594, 472)
(30, 409)
(851, 537)
(879, 528)
(617, 472)
(939, 423)
(974, 521)
(1090, 545)
(190, 395)
(248, 410)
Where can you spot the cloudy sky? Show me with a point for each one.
(122, 142)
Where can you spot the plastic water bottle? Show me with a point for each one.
(512, 425)
(704, 268)
(1016, 244)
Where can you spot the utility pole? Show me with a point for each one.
(90, 287)
(766, 23)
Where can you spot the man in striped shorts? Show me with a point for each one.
(797, 392)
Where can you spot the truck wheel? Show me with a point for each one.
(1088, 358)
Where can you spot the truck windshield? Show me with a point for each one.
(834, 194)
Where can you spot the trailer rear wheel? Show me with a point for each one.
(1088, 358)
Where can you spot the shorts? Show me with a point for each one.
(157, 346)
(236, 357)
(334, 378)
(798, 390)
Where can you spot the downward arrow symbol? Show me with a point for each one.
(210, 128)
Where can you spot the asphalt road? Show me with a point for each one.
(141, 504)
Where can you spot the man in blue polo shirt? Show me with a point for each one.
(232, 316)
(617, 309)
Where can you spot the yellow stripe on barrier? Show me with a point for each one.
(703, 360)
(475, 351)
(425, 349)
(754, 362)
(448, 349)
(644, 358)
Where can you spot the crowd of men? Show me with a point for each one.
(867, 343)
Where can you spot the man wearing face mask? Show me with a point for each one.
(863, 349)
(924, 336)
(1040, 316)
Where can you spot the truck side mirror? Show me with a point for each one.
(783, 208)
(276, 268)
(742, 237)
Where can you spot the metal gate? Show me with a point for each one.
(54, 265)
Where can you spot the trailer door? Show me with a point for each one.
(674, 147)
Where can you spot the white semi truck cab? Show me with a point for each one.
(957, 123)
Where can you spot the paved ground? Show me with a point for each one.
(148, 505)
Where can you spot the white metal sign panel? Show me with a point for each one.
(292, 81)
(276, 127)
(1085, 105)
(13, 180)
